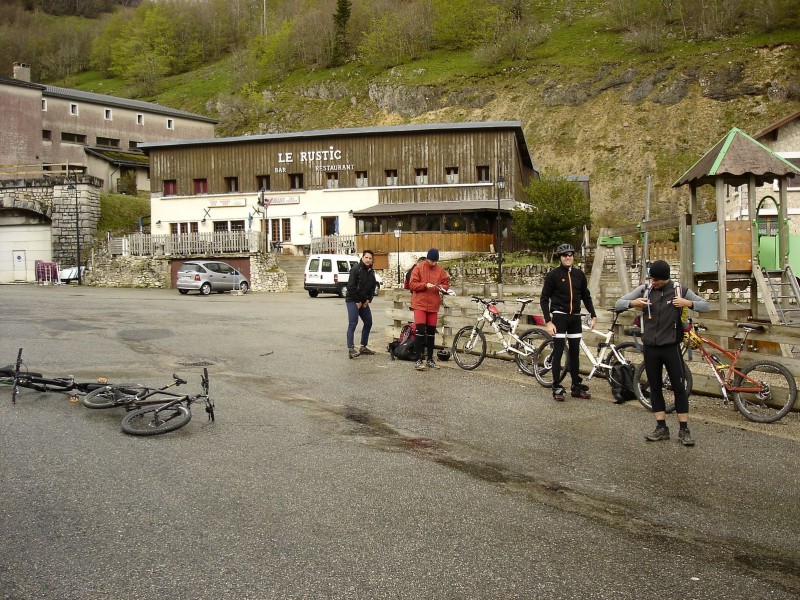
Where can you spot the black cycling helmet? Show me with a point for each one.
(443, 354)
(564, 248)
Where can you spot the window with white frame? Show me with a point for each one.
(44, 104)
(140, 119)
(451, 175)
(73, 109)
(421, 176)
(170, 124)
(107, 114)
(792, 184)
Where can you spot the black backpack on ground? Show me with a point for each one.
(621, 381)
(404, 348)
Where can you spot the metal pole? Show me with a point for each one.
(645, 236)
(397, 233)
(78, 231)
(499, 184)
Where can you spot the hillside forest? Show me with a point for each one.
(615, 89)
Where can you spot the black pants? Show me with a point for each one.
(568, 329)
(423, 343)
(668, 357)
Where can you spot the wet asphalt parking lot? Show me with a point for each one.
(325, 477)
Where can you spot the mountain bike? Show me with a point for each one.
(469, 344)
(18, 376)
(764, 391)
(152, 410)
(603, 360)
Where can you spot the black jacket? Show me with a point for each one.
(361, 285)
(564, 290)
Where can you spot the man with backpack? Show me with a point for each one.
(428, 281)
(661, 303)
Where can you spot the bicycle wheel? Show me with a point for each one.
(469, 347)
(109, 396)
(531, 340)
(643, 387)
(772, 396)
(543, 367)
(152, 420)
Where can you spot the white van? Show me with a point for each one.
(329, 273)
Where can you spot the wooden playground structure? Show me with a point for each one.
(738, 254)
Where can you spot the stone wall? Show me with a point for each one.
(156, 272)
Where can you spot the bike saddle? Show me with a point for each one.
(750, 327)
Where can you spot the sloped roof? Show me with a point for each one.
(124, 158)
(451, 206)
(106, 100)
(777, 124)
(735, 158)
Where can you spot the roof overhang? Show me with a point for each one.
(422, 208)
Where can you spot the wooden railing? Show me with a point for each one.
(187, 244)
(420, 241)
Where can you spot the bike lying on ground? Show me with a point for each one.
(152, 410)
(469, 344)
(18, 376)
(763, 391)
(603, 361)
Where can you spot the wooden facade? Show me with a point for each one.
(424, 178)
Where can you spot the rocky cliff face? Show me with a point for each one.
(618, 125)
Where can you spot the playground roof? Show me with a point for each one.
(735, 158)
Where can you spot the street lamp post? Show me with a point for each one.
(500, 184)
(264, 204)
(397, 233)
(70, 189)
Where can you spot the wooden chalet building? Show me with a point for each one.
(435, 183)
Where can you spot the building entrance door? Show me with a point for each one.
(20, 265)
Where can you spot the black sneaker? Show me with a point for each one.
(365, 350)
(558, 394)
(432, 365)
(660, 433)
(353, 352)
(581, 391)
(685, 438)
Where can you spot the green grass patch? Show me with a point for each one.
(120, 213)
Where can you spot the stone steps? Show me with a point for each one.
(294, 267)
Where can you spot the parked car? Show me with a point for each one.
(206, 276)
(329, 273)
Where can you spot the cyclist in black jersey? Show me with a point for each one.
(565, 287)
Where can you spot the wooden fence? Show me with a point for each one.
(458, 311)
(187, 244)
(420, 241)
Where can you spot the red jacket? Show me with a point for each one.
(425, 298)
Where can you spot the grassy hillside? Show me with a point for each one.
(590, 103)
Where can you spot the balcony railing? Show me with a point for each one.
(218, 242)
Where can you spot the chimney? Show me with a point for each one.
(22, 72)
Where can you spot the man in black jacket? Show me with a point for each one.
(360, 291)
(565, 287)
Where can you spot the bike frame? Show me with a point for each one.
(725, 383)
(599, 360)
(494, 321)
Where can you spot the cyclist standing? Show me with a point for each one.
(662, 332)
(565, 287)
(428, 281)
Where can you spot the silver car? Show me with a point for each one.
(206, 276)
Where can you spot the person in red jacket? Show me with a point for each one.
(428, 281)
